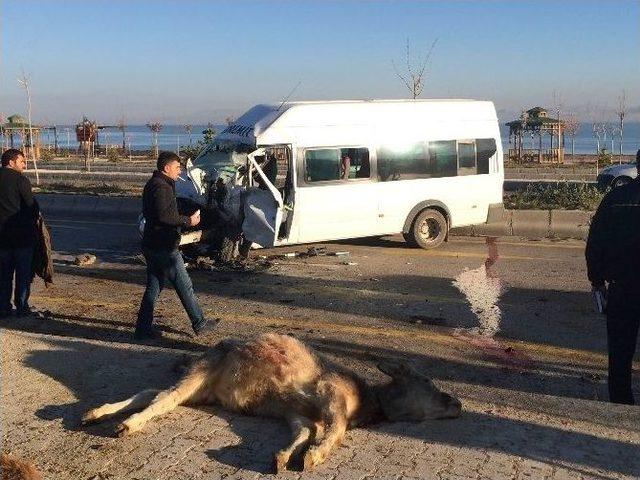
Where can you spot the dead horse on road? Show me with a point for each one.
(279, 376)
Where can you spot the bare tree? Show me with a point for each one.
(122, 126)
(24, 81)
(598, 129)
(155, 128)
(188, 128)
(414, 78)
(572, 127)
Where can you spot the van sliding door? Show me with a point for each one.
(336, 197)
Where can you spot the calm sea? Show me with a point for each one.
(172, 137)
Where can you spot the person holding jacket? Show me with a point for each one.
(613, 258)
(160, 242)
(18, 215)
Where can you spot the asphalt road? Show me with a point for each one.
(507, 326)
(534, 282)
(107, 238)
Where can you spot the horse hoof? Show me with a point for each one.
(122, 430)
(280, 462)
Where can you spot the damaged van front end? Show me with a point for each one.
(232, 183)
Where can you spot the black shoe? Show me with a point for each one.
(24, 312)
(5, 313)
(206, 326)
(151, 334)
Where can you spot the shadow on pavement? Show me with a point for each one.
(91, 328)
(260, 439)
(98, 374)
(547, 317)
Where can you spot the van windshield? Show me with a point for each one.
(222, 159)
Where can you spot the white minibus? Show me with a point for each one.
(318, 171)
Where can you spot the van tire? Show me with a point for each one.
(228, 249)
(408, 237)
(429, 229)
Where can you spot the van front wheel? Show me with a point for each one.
(429, 229)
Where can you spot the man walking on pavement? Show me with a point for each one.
(18, 216)
(160, 242)
(613, 256)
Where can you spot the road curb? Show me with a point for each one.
(531, 223)
(570, 223)
(534, 224)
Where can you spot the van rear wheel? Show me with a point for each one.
(429, 229)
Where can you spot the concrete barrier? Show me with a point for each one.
(534, 224)
(570, 223)
(501, 227)
(530, 223)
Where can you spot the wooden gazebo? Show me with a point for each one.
(16, 133)
(535, 123)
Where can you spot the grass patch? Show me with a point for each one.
(561, 196)
(108, 189)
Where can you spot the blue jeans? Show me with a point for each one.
(16, 261)
(165, 265)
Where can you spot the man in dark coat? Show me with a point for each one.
(613, 257)
(18, 215)
(160, 241)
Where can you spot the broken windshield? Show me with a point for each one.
(221, 159)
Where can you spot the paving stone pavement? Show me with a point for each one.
(46, 388)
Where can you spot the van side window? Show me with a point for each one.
(486, 148)
(466, 157)
(329, 164)
(403, 162)
(322, 165)
(355, 163)
(443, 158)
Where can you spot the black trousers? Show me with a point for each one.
(623, 318)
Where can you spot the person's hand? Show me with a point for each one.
(194, 219)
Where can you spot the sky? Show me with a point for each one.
(202, 61)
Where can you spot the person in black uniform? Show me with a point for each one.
(18, 216)
(160, 242)
(613, 258)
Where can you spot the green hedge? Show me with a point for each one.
(561, 195)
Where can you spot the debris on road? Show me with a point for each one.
(314, 252)
(85, 259)
(244, 266)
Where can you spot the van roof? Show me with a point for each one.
(258, 119)
(384, 100)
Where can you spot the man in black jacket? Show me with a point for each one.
(160, 242)
(18, 215)
(613, 256)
